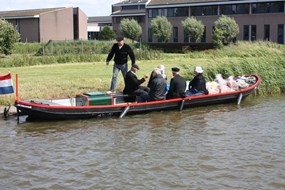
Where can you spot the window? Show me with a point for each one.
(141, 6)
(274, 7)
(266, 32)
(170, 12)
(204, 10)
(152, 13)
(249, 32)
(246, 32)
(182, 11)
(280, 33)
(175, 34)
(163, 12)
(177, 12)
(234, 9)
(253, 33)
(130, 7)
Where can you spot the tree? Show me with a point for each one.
(130, 28)
(217, 36)
(227, 29)
(162, 28)
(193, 28)
(106, 34)
(8, 37)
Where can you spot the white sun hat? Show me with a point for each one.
(198, 69)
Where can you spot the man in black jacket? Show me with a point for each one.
(121, 52)
(197, 85)
(132, 84)
(177, 85)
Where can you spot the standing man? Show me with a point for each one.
(177, 85)
(121, 52)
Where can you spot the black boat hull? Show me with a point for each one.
(48, 112)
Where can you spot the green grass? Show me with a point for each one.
(61, 80)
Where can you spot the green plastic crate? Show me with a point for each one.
(93, 98)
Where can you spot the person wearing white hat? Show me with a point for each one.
(197, 86)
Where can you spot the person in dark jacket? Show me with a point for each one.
(157, 87)
(197, 86)
(177, 85)
(161, 67)
(132, 84)
(121, 51)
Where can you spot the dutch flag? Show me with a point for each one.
(6, 84)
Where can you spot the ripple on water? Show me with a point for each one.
(215, 147)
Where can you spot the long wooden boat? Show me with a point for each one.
(90, 105)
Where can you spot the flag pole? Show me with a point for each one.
(17, 88)
(17, 97)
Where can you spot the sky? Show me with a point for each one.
(89, 7)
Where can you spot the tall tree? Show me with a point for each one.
(130, 28)
(227, 29)
(193, 28)
(162, 28)
(8, 37)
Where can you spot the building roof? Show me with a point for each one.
(129, 12)
(100, 19)
(129, 2)
(168, 2)
(154, 3)
(26, 13)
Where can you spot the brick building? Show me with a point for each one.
(42, 25)
(257, 20)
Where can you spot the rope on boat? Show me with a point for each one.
(124, 112)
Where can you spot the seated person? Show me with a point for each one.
(197, 86)
(157, 87)
(177, 85)
(161, 67)
(132, 84)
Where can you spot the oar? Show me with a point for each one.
(181, 104)
(239, 99)
(124, 112)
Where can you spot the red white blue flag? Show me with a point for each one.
(6, 84)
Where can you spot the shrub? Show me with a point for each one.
(130, 28)
(106, 34)
(8, 37)
(193, 28)
(161, 28)
(225, 30)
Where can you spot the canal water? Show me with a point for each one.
(215, 147)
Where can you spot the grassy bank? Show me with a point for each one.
(60, 80)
